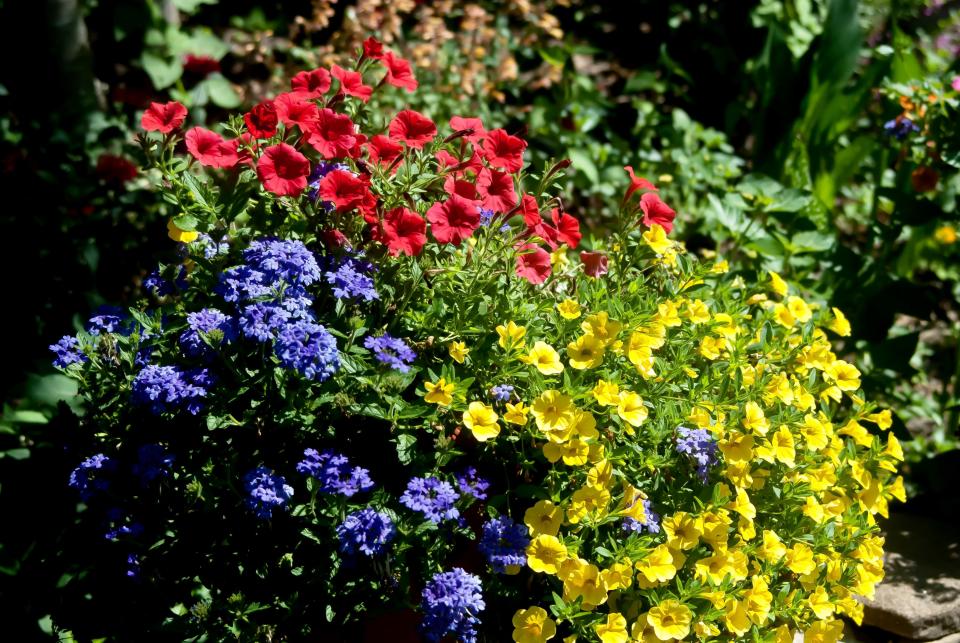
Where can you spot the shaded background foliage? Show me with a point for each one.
(762, 120)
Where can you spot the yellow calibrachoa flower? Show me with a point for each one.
(458, 351)
(545, 554)
(545, 358)
(657, 239)
(754, 419)
(543, 518)
(883, 419)
(615, 628)
(559, 259)
(844, 375)
(668, 314)
(946, 234)
(482, 421)
(670, 620)
(511, 335)
(179, 235)
(737, 447)
(586, 352)
(828, 631)
(606, 393)
(799, 309)
(777, 284)
(735, 617)
(569, 309)
(757, 601)
(839, 324)
(573, 452)
(618, 576)
(532, 625)
(682, 529)
(582, 579)
(587, 501)
(773, 549)
(799, 559)
(553, 411)
(713, 347)
(658, 566)
(439, 392)
(820, 603)
(631, 409)
(783, 316)
(697, 312)
(602, 327)
(779, 449)
(516, 413)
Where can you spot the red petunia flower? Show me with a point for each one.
(496, 190)
(404, 231)
(530, 211)
(200, 65)
(332, 135)
(293, 109)
(115, 169)
(382, 150)
(412, 128)
(503, 151)
(262, 120)
(311, 84)
(351, 83)
(568, 228)
(211, 149)
(466, 189)
(332, 238)
(373, 48)
(453, 220)
(163, 117)
(446, 159)
(594, 263)
(460, 123)
(345, 191)
(399, 72)
(656, 211)
(283, 170)
(533, 263)
(637, 183)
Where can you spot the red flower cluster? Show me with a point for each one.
(653, 208)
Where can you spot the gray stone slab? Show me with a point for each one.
(920, 597)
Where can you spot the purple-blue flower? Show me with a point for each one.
(307, 347)
(350, 279)
(210, 248)
(367, 531)
(652, 519)
(504, 543)
(334, 473)
(471, 484)
(900, 127)
(208, 323)
(108, 321)
(260, 321)
(267, 491)
(432, 497)
(153, 461)
(167, 388)
(243, 283)
(121, 524)
(288, 261)
(391, 351)
(92, 475)
(451, 602)
(67, 351)
(700, 446)
(502, 392)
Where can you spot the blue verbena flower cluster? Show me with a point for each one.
(161, 287)
(211, 248)
(267, 491)
(432, 497)
(91, 476)
(334, 473)
(651, 519)
(367, 531)
(269, 290)
(451, 602)
(700, 446)
(391, 351)
(110, 320)
(350, 278)
(471, 484)
(900, 127)
(502, 392)
(153, 461)
(209, 324)
(67, 351)
(167, 388)
(504, 543)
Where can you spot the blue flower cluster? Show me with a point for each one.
(200, 326)
(210, 248)
(266, 491)
(350, 278)
(67, 351)
(153, 461)
(161, 287)
(391, 351)
(451, 602)
(432, 497)
(502, 392)
(900, 127)
(471, 484)
(700, 446)
(167, 388)
(652, 520)
(367, 531)
(275, 306)
(91, 476)
(110, 320)
(121, 525)
(334, 473)
(504, 543)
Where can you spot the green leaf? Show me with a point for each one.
(185, 222)
(811, 241)
(221, 92)
(16, 454)
(162, 73)
(29, 417)
(583, 162)
(191, 6)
